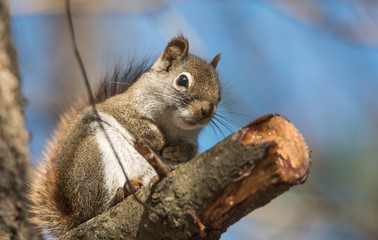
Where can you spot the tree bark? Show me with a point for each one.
(14, 151)
(203, 197)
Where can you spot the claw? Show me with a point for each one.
(132, 186)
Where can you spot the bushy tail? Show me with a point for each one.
(49, 206)
(44, 197)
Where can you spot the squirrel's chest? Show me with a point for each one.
(118, 155)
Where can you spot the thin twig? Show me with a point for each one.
(153, 160)
(200, 225)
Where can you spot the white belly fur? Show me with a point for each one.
(132, 162)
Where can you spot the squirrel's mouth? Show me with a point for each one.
(192, 123)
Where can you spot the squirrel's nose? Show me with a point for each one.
(207, 110)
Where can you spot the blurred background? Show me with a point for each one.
(315, 62)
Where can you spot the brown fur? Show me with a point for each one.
(49, 206)
(121, 79)
(69, 187)
(55, 206)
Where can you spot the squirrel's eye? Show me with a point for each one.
(183, 81)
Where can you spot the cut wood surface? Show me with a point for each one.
(200, 199)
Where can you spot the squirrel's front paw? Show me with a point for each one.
(132, 186)
(181, 152)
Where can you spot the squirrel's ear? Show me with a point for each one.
(177, 49)
(215, 60)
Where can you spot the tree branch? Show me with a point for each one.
(203, 197)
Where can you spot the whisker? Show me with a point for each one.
(230, 103)
(219, 129)
(228, 120)
(215, 132)
(235, 113)
(226, 89)
(224, 86)
(223, 124)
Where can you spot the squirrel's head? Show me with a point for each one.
(188, 85)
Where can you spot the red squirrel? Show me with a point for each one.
(165, 107)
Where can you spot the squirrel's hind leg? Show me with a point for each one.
(132, 186)
(122, 192)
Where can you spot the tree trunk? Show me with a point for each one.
(14, 151)
(203, 197)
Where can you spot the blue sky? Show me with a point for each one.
(272, 62)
